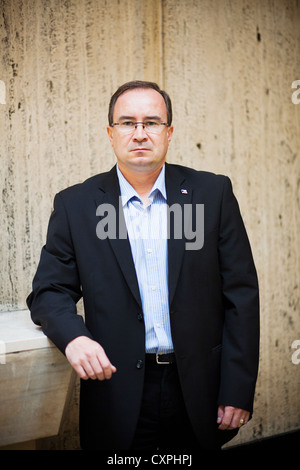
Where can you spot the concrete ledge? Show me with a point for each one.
(35, 379)
(284, 441)
(19, 333)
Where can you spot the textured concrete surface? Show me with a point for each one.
(34, 391)
(229, 66)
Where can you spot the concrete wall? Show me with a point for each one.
(229, 66)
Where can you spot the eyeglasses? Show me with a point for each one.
(151, 127)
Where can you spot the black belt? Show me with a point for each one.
(162, 359)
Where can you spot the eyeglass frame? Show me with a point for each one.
(143, 124)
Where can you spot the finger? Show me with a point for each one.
(97, 364)
(104, 369)
(243, 419)
(89, 369)
(81, 372)
(81, 368)
(108, 371)
(93, 370)
(227, 418)
(239, 419)
(220, 414)
(89, 359)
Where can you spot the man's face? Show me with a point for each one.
(140, 151)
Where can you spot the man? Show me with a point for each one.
(168, 353)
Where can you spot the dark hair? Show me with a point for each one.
(134, 85)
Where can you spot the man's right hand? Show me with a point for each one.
(88, 358)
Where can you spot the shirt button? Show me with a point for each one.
(139, 364)
(149, 250)
(153, 287)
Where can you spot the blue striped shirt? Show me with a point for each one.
(147, 233)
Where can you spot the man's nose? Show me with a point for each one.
(139, 132)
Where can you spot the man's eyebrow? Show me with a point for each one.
(157, 118)
(127, 117)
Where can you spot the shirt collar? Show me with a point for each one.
(128, 192)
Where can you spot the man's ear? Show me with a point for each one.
(170, 133)
(110, 134)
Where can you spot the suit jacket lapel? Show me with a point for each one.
(109, 193)
(179, 193)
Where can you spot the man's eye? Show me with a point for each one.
(127, 124)
(151, 123)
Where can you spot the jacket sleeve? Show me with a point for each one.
(240, 353)
(56, 286)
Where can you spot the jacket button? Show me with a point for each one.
(140, 316)
(139, 364)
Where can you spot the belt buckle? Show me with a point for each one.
(161, 362)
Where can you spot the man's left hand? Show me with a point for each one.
(230, 417)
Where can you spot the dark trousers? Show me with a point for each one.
(163, 423)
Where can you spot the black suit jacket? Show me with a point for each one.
(213, 298)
